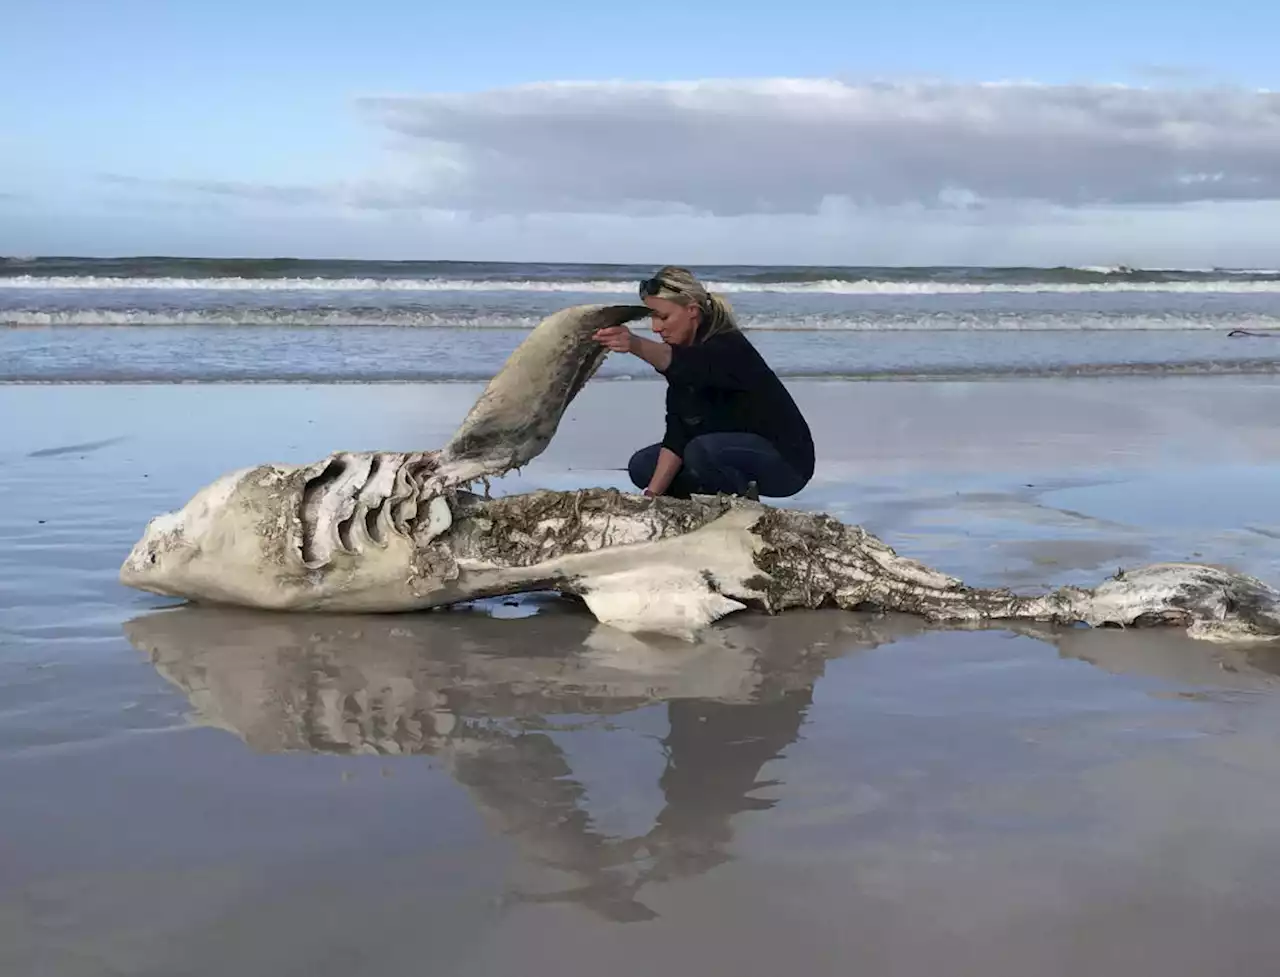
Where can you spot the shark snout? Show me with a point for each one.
(140, 563)
(153, 553)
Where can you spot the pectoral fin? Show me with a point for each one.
(518, 414)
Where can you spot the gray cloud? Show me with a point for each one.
(820, 172)
(732, 148)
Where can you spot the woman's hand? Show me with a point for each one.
(623, 340)
(620, 339)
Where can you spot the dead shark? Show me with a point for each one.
(401, 531)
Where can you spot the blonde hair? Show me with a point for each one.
(680, 286)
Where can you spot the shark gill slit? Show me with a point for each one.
(312, 495)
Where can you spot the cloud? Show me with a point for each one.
(735, 148)
(729, 148)
(809, 171)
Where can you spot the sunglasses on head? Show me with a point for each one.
(650, 286)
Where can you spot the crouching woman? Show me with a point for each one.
(731, 425)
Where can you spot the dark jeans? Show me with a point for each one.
(722, 463)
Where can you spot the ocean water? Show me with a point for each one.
(179, 319)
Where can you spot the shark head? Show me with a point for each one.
(211, 545)
(294, 536)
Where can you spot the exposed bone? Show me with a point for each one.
(386, 532)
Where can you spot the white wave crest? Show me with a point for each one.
(259, 318)
(419, 319)
(604, 287)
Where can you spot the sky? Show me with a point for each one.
(918, 132)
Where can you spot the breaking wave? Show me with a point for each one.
(416, 318)
(1241, 283)
(248, 318)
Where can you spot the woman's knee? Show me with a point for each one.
(712, 452)
(705, 466)
(696, 453)
(732, 462)
(642, 465)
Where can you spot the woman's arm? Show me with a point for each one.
(663, 472)
(724, 361)
(657, 355)
(620, 339)
(671, 455)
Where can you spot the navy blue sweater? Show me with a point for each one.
(724, 384)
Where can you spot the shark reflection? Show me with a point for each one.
(477, 692)
(1169, 656)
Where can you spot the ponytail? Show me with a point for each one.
(717, 317)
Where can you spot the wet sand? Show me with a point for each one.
(512, 789)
